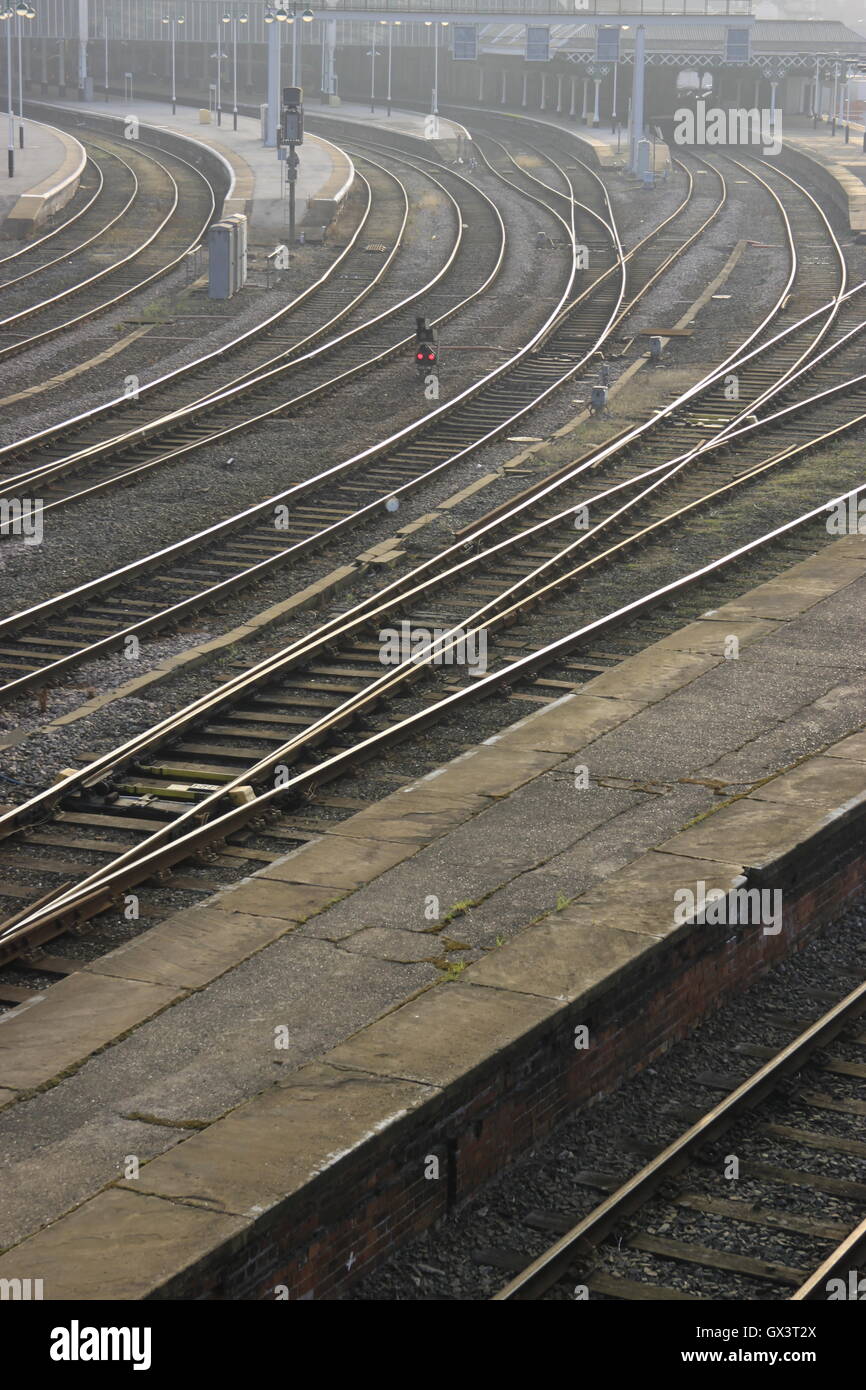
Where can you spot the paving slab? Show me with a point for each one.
(294, 902)
(759, 830)
(71, 1167)
(443, 1035)
(296, 1131)
(418, 813)
(560, 960)
(490, 771)
(344, 863)
(821, 782)
(192, 948)
(567, 724)
(853, 747)
(640, 897)
(77, 1017)
(120, 1245)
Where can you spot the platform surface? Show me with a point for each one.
(322, 173)
(48, 159)
(416, 124)
(146, 1050)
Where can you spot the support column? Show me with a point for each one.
(43, 59)
(572, 109)
(85, 83)
(638, 105)
(739, 93)
(480, 83)
(584, 115)
(543, 106)
(61, 66)
(757, 102)
(596, 115)
(523, 98)
(273, 92)
(329, 69)
(559, 93)
(504, 87)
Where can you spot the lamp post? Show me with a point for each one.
(306, 18)
(173, 20)
(234, 20)
(6, 14)
(391, 24)
(373, 73)
(435, 24)
(273, 115)
(105, 43)
(22, 11)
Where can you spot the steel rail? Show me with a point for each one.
(837, 1265)
(12, 349)
(282, 364)
(548, 1268)
(56, 666)
(46, 608)
(44, 436)
(166, 847)
(61, 226)
(64, 255)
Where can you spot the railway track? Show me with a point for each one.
(267, 739)
(601, 1256)
(252, 547)
(169, 788)
(173, 199)
(201, 405)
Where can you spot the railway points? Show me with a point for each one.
(495, 740)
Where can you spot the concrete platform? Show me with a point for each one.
(47, 174)
(844, 166)
(283, 1062)
(414, 125)
(324, 173)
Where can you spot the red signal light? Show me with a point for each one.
(419, 356)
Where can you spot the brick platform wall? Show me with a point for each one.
(345, 1222)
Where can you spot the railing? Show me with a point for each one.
(573, 9)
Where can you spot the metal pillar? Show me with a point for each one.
(638, 106)
(85, 87)
(329, 57)
(584, 115)
(559, 93)
(523, 98)
(20, 86)
(273, 92)
(10, 153)
(480, 82)
(596, 114)
(572, 109)
(543, 104)
(503, 93)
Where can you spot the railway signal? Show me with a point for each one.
(426, 356)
